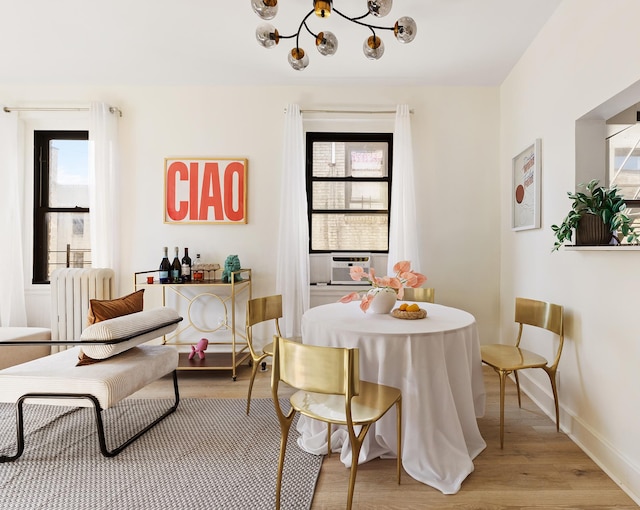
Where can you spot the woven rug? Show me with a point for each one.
(207, 455)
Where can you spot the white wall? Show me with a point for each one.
(585, 55)
(456, 156)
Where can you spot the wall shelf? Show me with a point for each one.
(619, 248)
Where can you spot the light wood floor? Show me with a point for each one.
(538, 468)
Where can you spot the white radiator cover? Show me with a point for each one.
(71, 290)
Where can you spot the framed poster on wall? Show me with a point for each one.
(205, 190)
(525, 188)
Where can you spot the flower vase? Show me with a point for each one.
(384, 300)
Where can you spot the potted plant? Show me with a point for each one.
(386, 290)
(597, 215)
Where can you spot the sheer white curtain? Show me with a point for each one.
(103, 187)
(403, 226)
(292, 270)
(13, 311)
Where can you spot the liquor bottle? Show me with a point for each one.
(176, 268)
(165, 267)
(198, 273)
(186, 266)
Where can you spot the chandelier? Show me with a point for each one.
(268, 36)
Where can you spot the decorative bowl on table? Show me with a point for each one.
(409, 312)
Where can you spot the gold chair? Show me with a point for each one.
(422, 294)
(505, 359)
(261, 310)
(330, 390)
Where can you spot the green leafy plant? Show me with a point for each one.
(607, 203)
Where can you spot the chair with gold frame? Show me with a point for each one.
(259, 310)
(421, 294)
(329, 389)
(505, 359)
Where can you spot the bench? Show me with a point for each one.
(125, 367)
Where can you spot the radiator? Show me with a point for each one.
(71, 290)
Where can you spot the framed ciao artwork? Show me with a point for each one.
(525, 190)
(205, 190)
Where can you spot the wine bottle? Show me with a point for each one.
(165, 267)
(198, 273)
(186, 266)
(176, 268)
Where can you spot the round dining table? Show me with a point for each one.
(436, 364)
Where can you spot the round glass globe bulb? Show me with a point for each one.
(373, 47)
(266, 9)
(379, 8)
(327, 43)
(298, 59)
(405, 29)
(267, 35)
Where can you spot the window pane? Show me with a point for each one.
(63, 229)
(68, 173)
(353, 232)
(350, 159)
(367, 159)
(328, 159)
(624, 162)
(350, 195)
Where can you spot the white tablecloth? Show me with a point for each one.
(436, 364)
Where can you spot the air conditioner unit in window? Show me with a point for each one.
(341, 264)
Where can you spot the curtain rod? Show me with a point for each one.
(10, 109)
(357, 112)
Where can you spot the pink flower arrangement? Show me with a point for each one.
(403, 277)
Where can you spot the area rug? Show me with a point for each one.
(207, 455)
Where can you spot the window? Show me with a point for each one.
(61, 202)
(349, 191)
(624, 167)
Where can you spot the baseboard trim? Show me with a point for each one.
(613, 462)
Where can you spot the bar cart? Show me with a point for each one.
(211, 308)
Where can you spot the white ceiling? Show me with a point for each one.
(210, 42)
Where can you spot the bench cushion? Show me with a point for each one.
(15, 354)
(140, 327)
(110, 381)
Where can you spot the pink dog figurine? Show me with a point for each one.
(199, 348)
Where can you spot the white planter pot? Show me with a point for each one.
(384, 300)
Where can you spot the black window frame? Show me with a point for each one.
(326, 136)
(41, 143)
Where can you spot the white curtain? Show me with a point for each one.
(13, 310)
(403, 226)
(103, 187)
(292, 270)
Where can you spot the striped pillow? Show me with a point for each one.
(132, 329)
